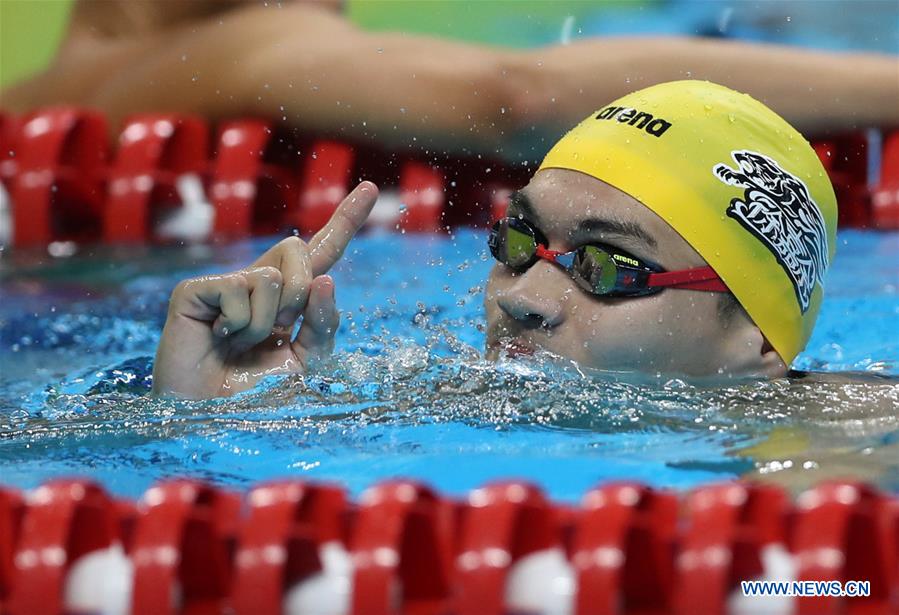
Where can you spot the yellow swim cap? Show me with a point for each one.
(742, 186)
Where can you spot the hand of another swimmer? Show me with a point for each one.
(225, 332)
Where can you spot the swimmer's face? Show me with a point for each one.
(676, 332)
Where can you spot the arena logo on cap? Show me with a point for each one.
(778, 209)
(632, 117)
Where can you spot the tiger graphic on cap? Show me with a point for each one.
(776, 207)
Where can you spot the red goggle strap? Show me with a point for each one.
(701, 278)
(546, 253)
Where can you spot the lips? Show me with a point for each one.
(506, 338)
(511, 347)
(519, 348)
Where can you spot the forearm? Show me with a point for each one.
(816, 91)
(392, 89)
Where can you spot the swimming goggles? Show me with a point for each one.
(597, 268)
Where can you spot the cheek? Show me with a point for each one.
(653, 332)
(689, 332)
(615, 333)
(691, 315)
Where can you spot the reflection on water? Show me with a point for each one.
(408, 394)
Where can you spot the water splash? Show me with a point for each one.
(408, 393)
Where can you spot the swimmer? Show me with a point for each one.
(683, 229)
(307, 67)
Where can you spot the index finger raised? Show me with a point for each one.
(328, 245)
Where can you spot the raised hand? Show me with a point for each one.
(225, 332)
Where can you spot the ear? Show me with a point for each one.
(752, 353)
(772, 365)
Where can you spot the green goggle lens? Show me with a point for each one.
(595, 270)
(518, 249)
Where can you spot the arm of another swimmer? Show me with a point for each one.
(816, 91)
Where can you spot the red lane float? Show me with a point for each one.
(154, 150)
(182, 548)
(60, 183)
(235, 173)
(12, 508)
(401, 551)
(9, 132)
(325, 181)
(510, 540)
(622, 550)
(422, 194)
(844, 532)
(885, 199)
(296, 548)
(64, 521)
(283, 562)
(56, 186)
(251, 195)
(730, 525)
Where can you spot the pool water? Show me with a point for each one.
(408, 393)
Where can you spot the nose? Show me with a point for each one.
(535, 300)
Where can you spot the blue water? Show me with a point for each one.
(407, 393)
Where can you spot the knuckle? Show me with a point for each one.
(181, 288)
(292, 244)
(237, 282)
(270, 273)
(238, 321)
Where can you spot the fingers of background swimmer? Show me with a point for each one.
(328, 244)
(320, 319)
(296, 275)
